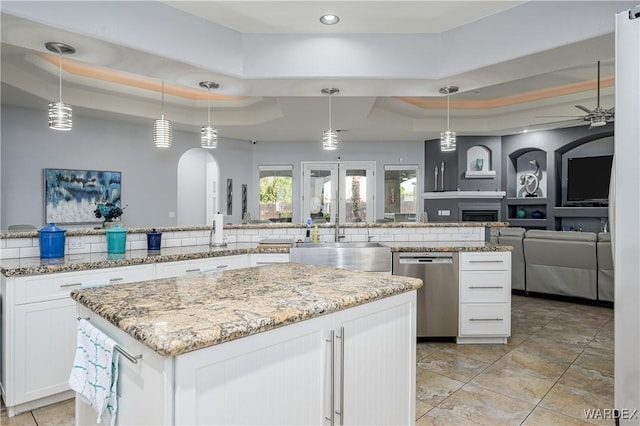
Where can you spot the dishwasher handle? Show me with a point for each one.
(425, 258)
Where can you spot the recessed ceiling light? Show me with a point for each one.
(329, 19)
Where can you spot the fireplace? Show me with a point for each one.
(479, 215)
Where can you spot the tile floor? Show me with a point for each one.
(558, 363)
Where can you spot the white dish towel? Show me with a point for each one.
(95, 371)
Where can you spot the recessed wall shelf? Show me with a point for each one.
(526, 201)
(482, 174)
(463, 194)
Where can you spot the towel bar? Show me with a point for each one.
(133, 358)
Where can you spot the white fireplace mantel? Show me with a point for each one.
(442, 195)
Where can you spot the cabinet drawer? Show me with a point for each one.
(39, 288)
(485, 286)
(490, 319)
(196, 266)
(495, 261)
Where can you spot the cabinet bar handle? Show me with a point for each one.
(193, 270)
(341, 412)
(486, 319)
(266, 263)
(486, 286)
(116, 279)
(70, 285)
(133, 358)
(222, 266)
(332, 343)
(486, 261)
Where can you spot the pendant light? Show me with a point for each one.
(208, 133)
(162, 129)
(330, 137)
(448, 138)
(59, 112)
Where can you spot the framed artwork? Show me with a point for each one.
(70, 196)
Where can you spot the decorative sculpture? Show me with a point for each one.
(531, 181)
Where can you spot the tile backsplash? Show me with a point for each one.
(29, 247)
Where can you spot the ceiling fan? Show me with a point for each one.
(598, 116)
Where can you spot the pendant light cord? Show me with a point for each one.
(448, 111)
(209, 106)
(60, 75)
(330, 128)
(162, 99)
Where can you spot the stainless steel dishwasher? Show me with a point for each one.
(437, 308)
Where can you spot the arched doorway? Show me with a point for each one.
(198, 177)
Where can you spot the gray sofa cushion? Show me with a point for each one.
(561, 262)
(605, 267)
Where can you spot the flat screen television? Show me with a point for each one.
(588, 180)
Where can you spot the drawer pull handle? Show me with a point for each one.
(222, 266)
(267, 263)
(70, 285)
(486, 261)
(193, 270)
(111, 280)
(486, 319)
(486, 286)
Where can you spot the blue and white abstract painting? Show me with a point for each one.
(71, 195)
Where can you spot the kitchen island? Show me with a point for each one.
(277, 344)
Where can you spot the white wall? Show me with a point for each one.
(149, 175)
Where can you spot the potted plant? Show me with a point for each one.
(109, 211)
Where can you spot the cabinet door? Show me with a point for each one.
(376, 377)
(45, 343)
(279, 377)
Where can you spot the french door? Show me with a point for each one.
(345, 189)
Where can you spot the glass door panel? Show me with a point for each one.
(320, 182)
(356, 191)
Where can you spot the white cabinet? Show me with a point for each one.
(296, 374)
(196, 266)
(485, 297)
(257, 259)
(39, 332)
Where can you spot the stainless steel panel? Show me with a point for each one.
(370, 257)
(437, 305)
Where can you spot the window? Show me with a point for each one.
(276, 193)
(401, 193)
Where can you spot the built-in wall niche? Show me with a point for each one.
(478, 163)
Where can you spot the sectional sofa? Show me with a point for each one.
(563, 263)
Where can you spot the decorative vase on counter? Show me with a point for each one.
(116, 239)
(154, 239)
(521, 213)
(52, 240)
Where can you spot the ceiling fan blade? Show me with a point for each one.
(585, 109)
(560, 116)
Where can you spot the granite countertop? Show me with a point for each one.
(82, 262)
(177, 315)
(132, 230)
(445, 246)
